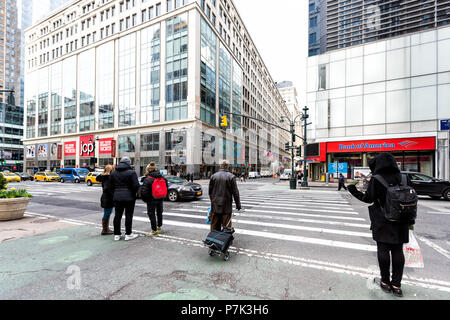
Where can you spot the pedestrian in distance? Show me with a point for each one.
(222, 190)
(125, 185)
(389, 235)
(106, 200)
(192, 177)
(153, 192)
(341, 182)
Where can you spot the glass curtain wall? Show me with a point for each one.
(70, 94)
(177, 61)
(105, 85)
(43, 103)
(237, 96)
(86, 89)
(31, 107)
(224, 80)
(150, 74)
(127, 80)
(56, 98)
(208, 74)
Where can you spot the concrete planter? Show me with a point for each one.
(11, 209)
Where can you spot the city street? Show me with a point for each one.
(289, 244)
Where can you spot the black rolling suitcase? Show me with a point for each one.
(218, 242)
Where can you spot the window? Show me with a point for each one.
(134, 19)
(158, 9)
(150, 142)
(169, 5)
(127, 143)
(313, 22)
(322, 77)
(144, 15)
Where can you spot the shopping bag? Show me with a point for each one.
(207, 216)
(413, 253)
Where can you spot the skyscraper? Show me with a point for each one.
(336, 24)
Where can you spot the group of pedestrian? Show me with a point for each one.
(120, 187)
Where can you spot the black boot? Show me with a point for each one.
(106, 231)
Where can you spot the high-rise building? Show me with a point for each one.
(385, 92)
(336, 24)
(152, 81)
(11, 135)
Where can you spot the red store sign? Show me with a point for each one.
(384, 145)
(70, 148)
(105, 146)
(87, 146)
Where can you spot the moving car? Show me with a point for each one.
(91, 178)
(25, 176)
(46, 176)
(253, 175)
(286, 175)
(10, 177)
(75, 175)
(428, 186)
(181, 189)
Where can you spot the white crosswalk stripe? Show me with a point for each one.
(310, 218)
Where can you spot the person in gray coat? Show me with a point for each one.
(222, 190)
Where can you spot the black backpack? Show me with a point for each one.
(401, 201)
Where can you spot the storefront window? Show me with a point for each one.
(127, 143)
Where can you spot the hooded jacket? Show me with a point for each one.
(383, 230)
(106, 201)
(124, 183)
(222, 190)
(147, 185)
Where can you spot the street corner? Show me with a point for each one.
(29, 226)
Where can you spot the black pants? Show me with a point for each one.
(398, 262)
(128, 207)
(152, 206)
(341, 185)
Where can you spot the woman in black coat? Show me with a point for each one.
(106, 201)
(390, 236)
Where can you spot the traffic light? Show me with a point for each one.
(224, 122)
(286, 146)
(299, 152)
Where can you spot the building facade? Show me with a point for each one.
(336, 24)
(11, 135)
(149, 80)
(384, 96)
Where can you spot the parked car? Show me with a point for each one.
(75, 175)
(46, 176)
(91, 178)
(10, 177)
(253, 175)
(25, 176)
(286, 175)
(428, 186)
(181, 189)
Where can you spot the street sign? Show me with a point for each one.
(445, 125)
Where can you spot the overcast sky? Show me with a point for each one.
(279, 30)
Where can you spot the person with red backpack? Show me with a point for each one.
(153, 192)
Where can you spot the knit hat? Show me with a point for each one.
(150, 168)
(126, 160)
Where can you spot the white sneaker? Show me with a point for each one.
(131, 237)
(116, 238)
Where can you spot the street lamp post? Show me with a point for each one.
(305, 117)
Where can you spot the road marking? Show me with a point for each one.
(442, 251)
(355, 225)
(298, 261)
(301, 209)
(438, 212)
(290, 214)
(288, 205)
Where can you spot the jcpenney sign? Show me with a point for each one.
(87, 146)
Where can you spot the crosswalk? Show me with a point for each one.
(324, 219)
(58, 189)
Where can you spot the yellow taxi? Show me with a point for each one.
(46, 176)
(11, 177)
(91, 178)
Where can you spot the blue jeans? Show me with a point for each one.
(107, 213)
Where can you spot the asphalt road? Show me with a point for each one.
(289, 244)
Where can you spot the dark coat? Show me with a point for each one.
(147, 185)
(383, 230)
(222, 190)
(106, 201)
(125, 183)
(341, 180)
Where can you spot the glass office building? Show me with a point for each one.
(149, 80)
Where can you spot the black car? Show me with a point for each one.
(428, 186)
(25, 176)
(181, 189)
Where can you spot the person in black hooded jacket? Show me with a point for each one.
(390, 236)
(125, 184)
(153, 204)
